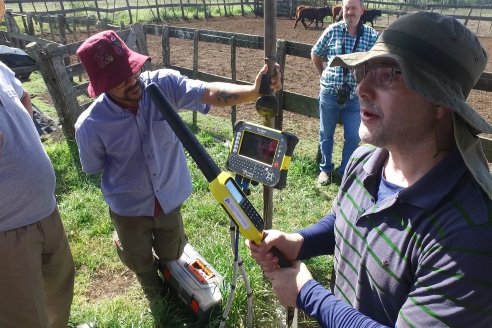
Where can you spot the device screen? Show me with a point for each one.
(234, 190)
(258, 147)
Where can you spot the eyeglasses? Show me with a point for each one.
(381, 74)
(134, 76)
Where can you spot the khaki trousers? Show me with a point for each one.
(139, 235)
(36, 275)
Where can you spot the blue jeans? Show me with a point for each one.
(330, 112)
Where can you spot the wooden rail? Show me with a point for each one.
(101, 8)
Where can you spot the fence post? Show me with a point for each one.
(23, 18)
(14, 28)
(88, 26)
(158, 11)
(205, 9)
(225, 9)
(281, 56)
(468, 16)
(41, 25)
(97, 11)
(166, 48)
(62, 28)
(30, 24)
(233, 76)
(58, 82)
(129, 11)
(51, 23)
(196, 38)
(182, 9)
(140, 39)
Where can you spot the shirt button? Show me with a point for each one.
(157, 190)
(153, 174)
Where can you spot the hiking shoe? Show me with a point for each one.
(324, 178)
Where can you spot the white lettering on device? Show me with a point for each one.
(237, 213)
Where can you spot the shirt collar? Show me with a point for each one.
(437, 183)
(376, 161)
(433, 186)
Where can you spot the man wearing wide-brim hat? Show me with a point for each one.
(411, 228)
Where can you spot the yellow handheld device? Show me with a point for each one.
(234, 201)
(222, 185)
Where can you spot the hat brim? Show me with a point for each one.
(424, 80)
(443, 91)
(136, 61)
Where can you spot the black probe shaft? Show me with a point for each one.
(203, 160)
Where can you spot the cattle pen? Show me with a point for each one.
(182, 45)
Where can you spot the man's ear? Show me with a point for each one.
(442, 111)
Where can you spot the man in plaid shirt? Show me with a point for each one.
(337, 97)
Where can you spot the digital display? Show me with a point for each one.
(258, 147)
(234, 190)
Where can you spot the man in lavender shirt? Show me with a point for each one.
(124, 137)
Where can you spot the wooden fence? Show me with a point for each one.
(158, 8)
(70, 98)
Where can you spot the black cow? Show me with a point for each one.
(370, 16)
(317, 14)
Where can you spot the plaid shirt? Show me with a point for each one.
(330, 44)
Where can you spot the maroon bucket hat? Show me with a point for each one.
(108, 61)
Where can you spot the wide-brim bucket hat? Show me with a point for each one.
(441, 60)
(108, 61)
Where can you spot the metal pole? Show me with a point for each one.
(267, 105)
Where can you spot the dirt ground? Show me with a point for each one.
(300, 75)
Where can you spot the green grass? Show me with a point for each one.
(37, 89)
(104, 289)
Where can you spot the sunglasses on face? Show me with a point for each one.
(134, 77)
(381, 74)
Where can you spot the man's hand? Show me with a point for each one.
(287, 282)
(275, 80)
(287, 244)
(229, 94)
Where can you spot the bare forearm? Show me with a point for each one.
(227, 94)
(318, 63)
(26, 101)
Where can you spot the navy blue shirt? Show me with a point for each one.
(419, 258)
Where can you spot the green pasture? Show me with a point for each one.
(106, 292)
